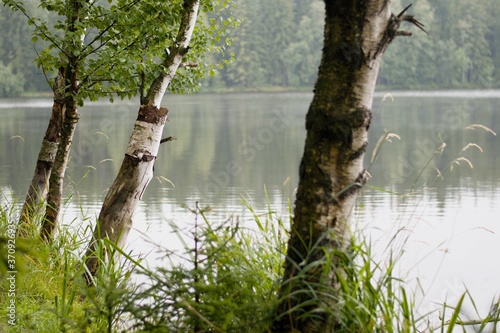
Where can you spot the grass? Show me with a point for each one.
(226, 279)
(50, 294)
(224, 282)
(451, 316)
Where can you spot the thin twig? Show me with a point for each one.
(170, 138)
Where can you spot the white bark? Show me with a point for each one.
(122, 200)
(182, 41)
(145, 139)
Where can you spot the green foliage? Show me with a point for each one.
(300, 61)
(11, 84)
(118, 47)
(106, 300)
(381, 301)
(456, 53)
(16, 54)
(225, 281)
(270, 48)
(366, 295)
(50, 294)
(461, 50)
(278, 44)
(485, 323)
(10, 247)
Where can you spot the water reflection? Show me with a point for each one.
(230, 146)
(448, 243)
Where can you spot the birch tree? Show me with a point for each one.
(356, 34)
(94, 50)
(195, 36)
(37, 192)
(73, 48)
(64, 115)
(67, 60)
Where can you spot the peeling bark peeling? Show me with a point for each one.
(37, 192)
(56, 180)
(146, 136)
(331, 171)
(120, 204)
(122, 199)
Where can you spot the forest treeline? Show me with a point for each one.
(278, 44)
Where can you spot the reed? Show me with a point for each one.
(225, 279)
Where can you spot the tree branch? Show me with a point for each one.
(177, 52)
(188, 64)
(411, 19)
(392, 30)
(167, 139)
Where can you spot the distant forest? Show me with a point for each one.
(278, 46)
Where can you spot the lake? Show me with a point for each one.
(434, 180)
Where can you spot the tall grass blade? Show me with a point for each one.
(456, 314)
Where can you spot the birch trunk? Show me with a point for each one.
(331, 171)
(122, 199)
(37, 193)
(70, 119)
(56, 181)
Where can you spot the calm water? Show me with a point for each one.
(442, 204)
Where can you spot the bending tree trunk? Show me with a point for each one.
(122, 199)
(331, 172)
(37, 192)
(73, 51)
(54, 198)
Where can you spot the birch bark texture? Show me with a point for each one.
(37, 192)
(115, 218)
(56, 180)
(73, 48)
(48, 180)
(356, 34)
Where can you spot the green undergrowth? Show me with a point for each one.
(49, 292)
(225, 279)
